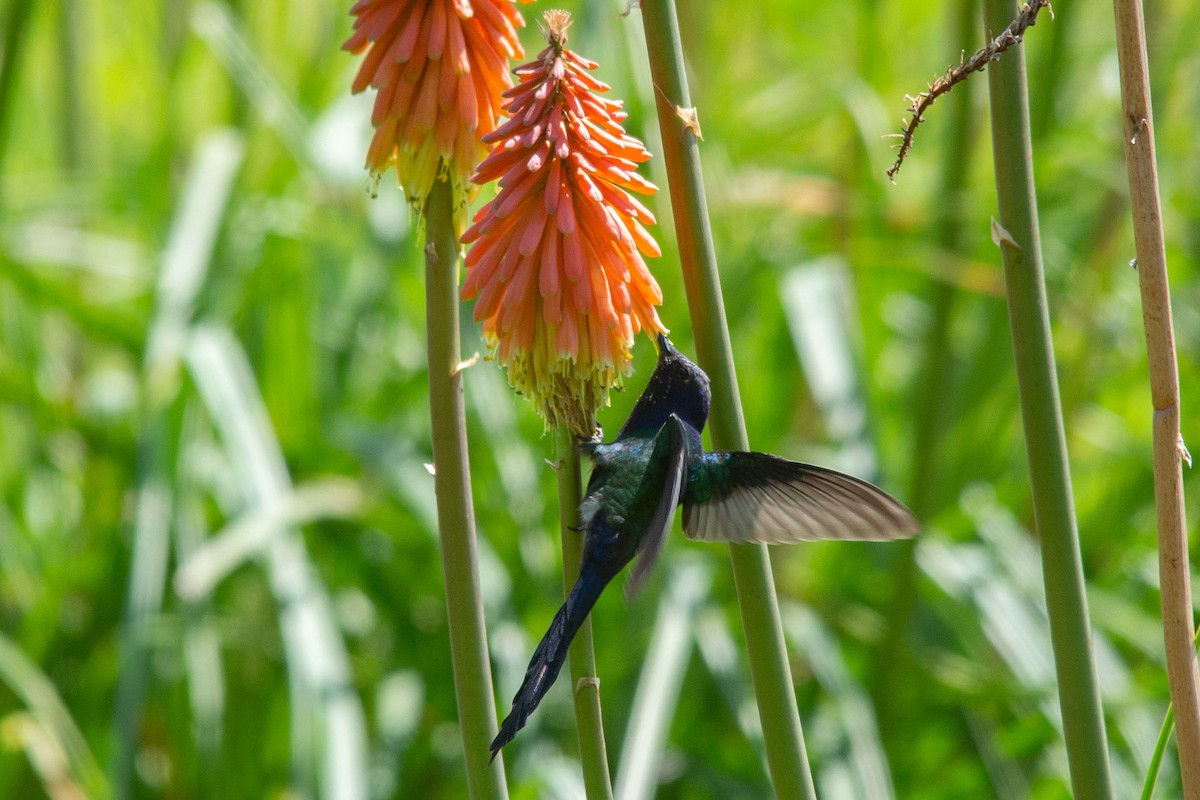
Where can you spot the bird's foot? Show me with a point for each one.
(587, 445)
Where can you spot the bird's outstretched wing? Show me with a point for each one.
(756, 497)
(669, 448)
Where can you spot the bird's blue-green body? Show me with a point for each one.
(657, 463)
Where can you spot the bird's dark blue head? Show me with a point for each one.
(677, 386)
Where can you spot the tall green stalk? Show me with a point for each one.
(16, 25)
(456, 517)
(1174, 571)
(585, 686)
(71, 130)
(769, 669)
(1041, 414)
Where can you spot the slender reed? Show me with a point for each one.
(585, 686)
(71, 132)
(1160, 746)
(1054, 512)
(16, 24)
(456, 517)
(769, 669)
(1173, 561)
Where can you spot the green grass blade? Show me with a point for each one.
(219, 28)
(16, 27)
(1160, 745)
(247, 536)
(185, 267)
(864, 767)
(329, 715)
(661, 680)
(41, 698)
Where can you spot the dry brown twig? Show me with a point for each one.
(1012, 35)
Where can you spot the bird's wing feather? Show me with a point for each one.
(756, 497)
(669, 445)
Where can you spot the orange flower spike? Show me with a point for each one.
(439, 67)
(556, 264)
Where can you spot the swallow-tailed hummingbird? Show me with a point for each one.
(657, 463)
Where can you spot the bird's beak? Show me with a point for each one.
(665, 348)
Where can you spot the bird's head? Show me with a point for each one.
(677, 386)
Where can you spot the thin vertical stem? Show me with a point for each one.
(769, 669)
(1041, 414)
(456, 517)
(147, 583)
(69, 45)
(16, 25)
(585, 686)
(1160, 746)
(1164, 386)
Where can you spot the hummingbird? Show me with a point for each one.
(657, 463)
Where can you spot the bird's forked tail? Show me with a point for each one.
(552, 651)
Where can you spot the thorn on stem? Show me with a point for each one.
(470, 362)
(1002, 238)
(1141, 125)
(690, 119)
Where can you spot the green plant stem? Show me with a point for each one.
(456, 518)
(585, 686)
(70, 107)
(769, 669)
(29, 684)
(16, 25)
(1160, 746)
(147, 584)
(1176, 597)
(1041, 414)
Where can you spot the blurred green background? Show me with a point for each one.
(218, 567)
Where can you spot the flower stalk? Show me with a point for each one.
(456, 518)
(787, 758)
(1174, 577)
(585, 686)
(1018, 235)
(17, 23)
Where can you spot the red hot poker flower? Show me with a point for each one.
(556, 261)
(439, 67)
